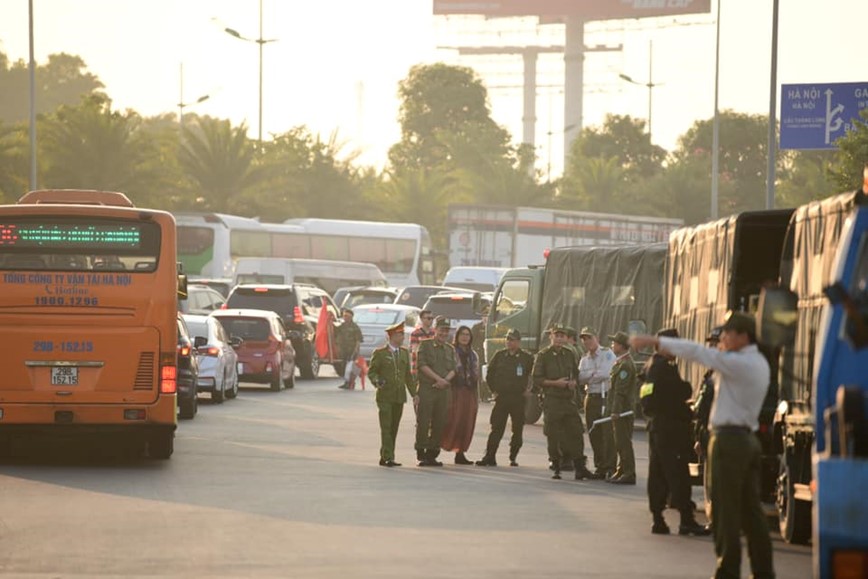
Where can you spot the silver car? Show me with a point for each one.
(218, 362)
(373, 319)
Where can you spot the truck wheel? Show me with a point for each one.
(161, 445)
(794, 517)
(532, 409)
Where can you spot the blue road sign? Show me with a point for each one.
(813, 116)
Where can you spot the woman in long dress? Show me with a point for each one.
(464, 400)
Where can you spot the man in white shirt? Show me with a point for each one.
(594, 370)
(741, 381)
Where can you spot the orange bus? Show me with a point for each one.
(88, 320)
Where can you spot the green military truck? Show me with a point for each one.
(610, 288)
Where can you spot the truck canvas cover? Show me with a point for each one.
(604, 287)
(806, 268)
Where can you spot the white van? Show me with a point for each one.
(481, 279)
(329, 275)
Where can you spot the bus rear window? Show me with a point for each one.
(63, 244)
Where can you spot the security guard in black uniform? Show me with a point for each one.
(555, 371)
(509, 378)
(664, 399)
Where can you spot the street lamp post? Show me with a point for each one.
(182, 105)
(261, 42)
(650, 84)
(32, 67)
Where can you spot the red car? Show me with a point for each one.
(265, 354)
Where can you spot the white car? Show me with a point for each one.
(457, 308)
(218, 362)
(373, 319)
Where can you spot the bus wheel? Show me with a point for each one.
(161, 445)
(794, 516)
(532, 409)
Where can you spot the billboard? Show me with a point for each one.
(813, 116)
(587, 9)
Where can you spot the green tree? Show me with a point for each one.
(805, 176)
(303, 176)
(846, 171)
(14, 162)
(63, 80)
(90, 146)
(607, 166)
(743, 159)
(438, 99)
(219, 160)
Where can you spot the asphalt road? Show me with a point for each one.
(287, 485)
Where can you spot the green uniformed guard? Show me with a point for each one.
(555, 371)
(348, 337)
(389, 372)
(509, 378)
(436, 368)
(621, 399)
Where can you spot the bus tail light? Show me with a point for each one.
(297, 318)
(168, 379)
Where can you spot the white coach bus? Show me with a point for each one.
(209, 244)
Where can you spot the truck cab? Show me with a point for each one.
(838, 397)
(516, 305)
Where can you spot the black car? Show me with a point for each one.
(299, 307)
(188, 373)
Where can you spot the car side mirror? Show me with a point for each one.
(236, 341)
(182, 286)
(777, 317)
(199, 341)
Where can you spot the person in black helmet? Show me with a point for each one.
(664, 397)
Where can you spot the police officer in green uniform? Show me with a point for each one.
(509, 378)
(555, 371)
(348, 336)
(436, 368)
(622, 396)
(389, 372)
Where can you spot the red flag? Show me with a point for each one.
(323, 332)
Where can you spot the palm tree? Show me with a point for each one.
(219, 159)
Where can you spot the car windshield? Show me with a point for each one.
(198, 328)
(377, 317)
(476, 286)
(356, 299)
(454, 309)
(255, 329)
(274, 300)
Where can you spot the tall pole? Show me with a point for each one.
(773, 96)
(261, 43)
(650, 82)
(181, 100)
(715, 138)
(574, 60)
(32, 67)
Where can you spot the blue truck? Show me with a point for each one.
(820, 321)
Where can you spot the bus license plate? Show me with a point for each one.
(64, 376)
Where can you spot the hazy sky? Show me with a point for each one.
(336, 63)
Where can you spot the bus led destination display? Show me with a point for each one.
(70, 235)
